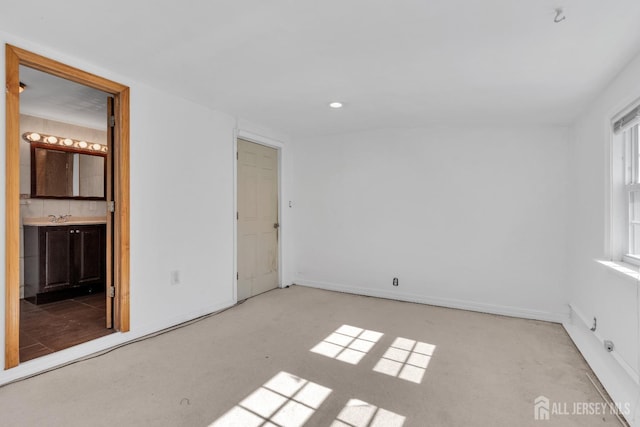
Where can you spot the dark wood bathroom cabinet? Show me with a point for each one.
(63, 261)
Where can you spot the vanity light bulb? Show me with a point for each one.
(64, 142)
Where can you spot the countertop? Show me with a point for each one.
(73, 220)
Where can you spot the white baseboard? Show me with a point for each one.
(579, 321)
(69, 355)
(616, 376)
(441, 302)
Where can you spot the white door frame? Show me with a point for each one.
(279, 147)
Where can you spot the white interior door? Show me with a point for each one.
(257, 219)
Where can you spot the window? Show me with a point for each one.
(632, 191)
(626, 188)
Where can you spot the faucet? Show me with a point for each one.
(59, 218)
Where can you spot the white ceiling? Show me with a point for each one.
(403, 63)
(51, 97)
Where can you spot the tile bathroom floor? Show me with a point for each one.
(47, 328)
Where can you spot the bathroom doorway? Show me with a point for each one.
(64, 148)
(67, 251)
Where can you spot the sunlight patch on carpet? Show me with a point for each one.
(358, 413)
(406, 359)
(285, 400)
(348, 344)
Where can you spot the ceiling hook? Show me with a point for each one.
(559, 15)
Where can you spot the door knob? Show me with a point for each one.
(276, 225)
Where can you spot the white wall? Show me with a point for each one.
(182, 211)
(471, 218)
(594, 290)
(181, 198)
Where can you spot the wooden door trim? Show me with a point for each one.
(12, 212)
(14, 58)
(109, 229)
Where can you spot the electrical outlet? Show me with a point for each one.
(175, 277)
(395, 281)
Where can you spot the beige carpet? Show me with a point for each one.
(389, 363)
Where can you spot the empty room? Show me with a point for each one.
(355, 213)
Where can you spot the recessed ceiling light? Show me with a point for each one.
(336, 105)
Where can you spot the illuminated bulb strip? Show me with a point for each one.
(91, 147)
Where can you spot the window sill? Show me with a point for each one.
(627, 270)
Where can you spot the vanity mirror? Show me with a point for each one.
(66, 168)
